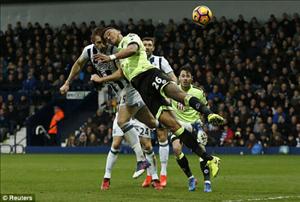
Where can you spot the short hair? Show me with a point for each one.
(187, 69)
(149, 39)
(104, 30)
(96, 32)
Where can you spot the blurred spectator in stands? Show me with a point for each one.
(29, 85)
(71, 141)
(102, 132)
(92, 140)
(4, 125)
(82, 140)
(276, 137)
(23, 109)
(53, 133)
(251, 141)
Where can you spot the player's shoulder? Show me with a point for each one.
(132, 36)
(197, 89)
(90, 46)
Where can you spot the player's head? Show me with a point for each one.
(111, 35)
(96, 38)
(149, 45)
(185, 77)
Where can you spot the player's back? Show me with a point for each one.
(137, 63)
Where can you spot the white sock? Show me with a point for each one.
(132, 136)
(110, 161)
(164, 156)
(150, 156)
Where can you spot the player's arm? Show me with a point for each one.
(172, 76)
(113, 77)
(125, 53)
(76, 68)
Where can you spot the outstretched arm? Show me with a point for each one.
(76, 68)
(125, 53)
(113, 77)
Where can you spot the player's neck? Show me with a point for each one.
(186, 88)
(120, 37)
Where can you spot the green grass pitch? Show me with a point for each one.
(78, 177)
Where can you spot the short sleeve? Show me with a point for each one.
(165, 66)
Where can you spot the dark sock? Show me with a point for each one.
(198, 106)
(184, 165)
(191, 142)
(205, 169)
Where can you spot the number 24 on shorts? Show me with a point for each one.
(158, 81)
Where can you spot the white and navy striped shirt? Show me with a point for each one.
(160, 63)
(105, 69)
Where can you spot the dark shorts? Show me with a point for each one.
(150, 85)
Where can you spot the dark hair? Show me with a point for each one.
(187, 69)
(149, 39)
(96, 32)
(104, 30)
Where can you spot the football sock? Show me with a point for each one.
(191, 142)
(152, 170)
(196, 104)
(132, 136)
(205, 169)
(163, 156)
(110, 161)
(184, 164)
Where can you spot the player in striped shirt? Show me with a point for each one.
(162, 134)
(120, 87)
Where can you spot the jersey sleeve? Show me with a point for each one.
(133, 38)
(84, 55)
(201, 96)
(165, 66)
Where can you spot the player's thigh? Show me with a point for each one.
(171, 90)
(162, 134)
(125, 113)
(168, 119)
(145, 116)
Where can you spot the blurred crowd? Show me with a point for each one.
(250, 71)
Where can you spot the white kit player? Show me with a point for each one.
(122, 85)
(162, 134)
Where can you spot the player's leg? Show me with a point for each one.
(145, 139)
(131, 135)
(171, 90)
(162, 136)
(112, 155)
(152, 170)
(183, 163)
(167, 119)
(145, 116)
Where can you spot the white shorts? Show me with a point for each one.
(143, 130)
(131, 97)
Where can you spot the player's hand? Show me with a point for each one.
(65, 88)
(215, 119)
(101, 57)
(96, 78)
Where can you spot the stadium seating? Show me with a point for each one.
(250, 71)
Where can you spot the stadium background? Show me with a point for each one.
(75, 177)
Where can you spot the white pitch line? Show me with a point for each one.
(263, 199)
